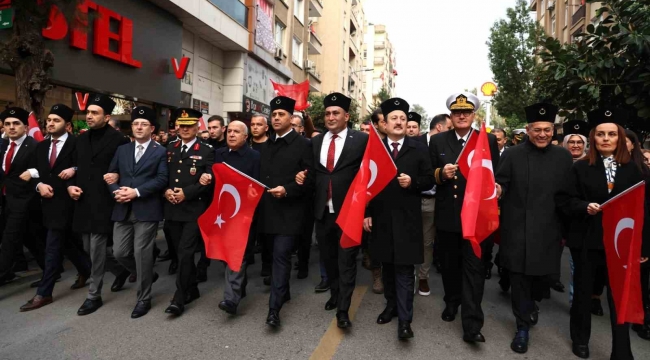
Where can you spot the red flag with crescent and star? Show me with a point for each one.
(376, 171)
(622, 230)
(480, 213)
(34, 129)
(465, 158)
(226, 223)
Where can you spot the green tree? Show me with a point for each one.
(512, 45)
(608, 64)
(25, 52)
(382, 95)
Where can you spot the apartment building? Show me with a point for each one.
(564, 19)
(379, 56)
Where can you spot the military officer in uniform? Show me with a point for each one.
(187, 199)
(463, 274)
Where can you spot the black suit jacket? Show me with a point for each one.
(19, 193)
(590, 185)
(397, 212)
(281, 160)
(341, 177)
(57, 210)
(94, 208)
(445, 149)
(422, 138)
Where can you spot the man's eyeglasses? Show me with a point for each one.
(461, 112)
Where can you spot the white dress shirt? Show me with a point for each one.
(338, 148)
(188, 145)
(59, 146)
(458, 137)
(145, 146)
(18, 142)
(280, 137)
(390, 145)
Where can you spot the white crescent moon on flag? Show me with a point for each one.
(235, 194)
(469, 158)
(373, 173)
(488, 165)
(624, 223)
(32, 131)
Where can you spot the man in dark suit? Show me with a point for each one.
(94, 203)
(240, 156)
(141, 167)
(282, 208)
(337, 157)
(54, 161)
(187, 199)
(19, 201)
(413, 125)
(395, 217)
(463, 274)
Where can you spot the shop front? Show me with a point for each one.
(125, 52)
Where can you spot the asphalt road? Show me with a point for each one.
(205, 332)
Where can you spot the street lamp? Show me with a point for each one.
(353, 72)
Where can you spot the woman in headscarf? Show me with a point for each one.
(634, 147)
(606, 172)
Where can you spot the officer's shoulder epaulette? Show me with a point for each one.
(173, 141)
(208, 145)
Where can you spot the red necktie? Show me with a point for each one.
(10, 156)
(395, 149)
(53, 153)
(330, 163)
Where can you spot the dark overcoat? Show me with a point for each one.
(397, 212)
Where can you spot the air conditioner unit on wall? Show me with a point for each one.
(309, 64)
(278, 54)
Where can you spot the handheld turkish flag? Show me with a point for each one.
(480, 213)
(464, 160)
(622, 229)
(298, 92)
(226, 223)
(376, 171)
(34, 129)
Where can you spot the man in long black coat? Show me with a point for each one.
(282, 207)
(337, 157)
(94, 203)
(530, 177)
(463, 274)
(395, 217)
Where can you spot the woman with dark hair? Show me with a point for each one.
(606, 172)
(634, 147)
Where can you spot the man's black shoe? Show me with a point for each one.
(581, 351)
(173, 267)
(165, 256)
(331, 303)
(534, 316)
(387, 315)
(191, 295)
(175, 309)
(120, 280)
(141, 309)
(228, 306)
(473, 338)
(404, 330)
(449, 314)
(558, 286)
(343, 320)
(520, 342)
(322, 286)
(273, 319)
(89, 306)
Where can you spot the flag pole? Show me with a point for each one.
(622, 193)
(246, 176)
(471, 132)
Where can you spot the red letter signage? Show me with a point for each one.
(182, 69)
(82, 100)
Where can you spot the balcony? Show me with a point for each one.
(315, 8)
(315, 45)
(579, 15)
(533, 5)
(379, 61)
(355, 2)
(379, 29)
(233, 8)
(380, 44)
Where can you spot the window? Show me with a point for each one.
(280, 30)
(299, 10)
(566, 14)
(553, 25)
(296, 52)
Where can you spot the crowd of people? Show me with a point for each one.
(98, 199)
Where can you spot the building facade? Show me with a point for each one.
(564, 19)
(379, 55)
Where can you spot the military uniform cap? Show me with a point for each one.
(576, 127)
(541, 112)
(413, 116)
(463, 101)
(103, 101)
(15, 112)
(283, 103)
(394, 104)
(187, 116)
(337, 99)
(608, 114)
